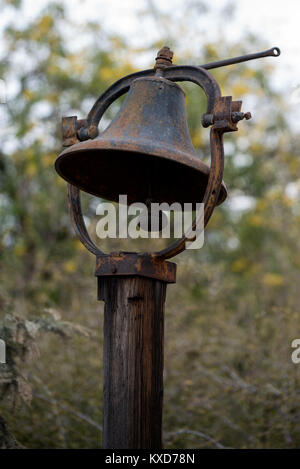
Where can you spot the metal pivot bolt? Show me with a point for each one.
(209, 119)
(164, 58)
(238, 116)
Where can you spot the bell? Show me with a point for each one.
(145, 152)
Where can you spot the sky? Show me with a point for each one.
(276, 21)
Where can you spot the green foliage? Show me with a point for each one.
(230, 320)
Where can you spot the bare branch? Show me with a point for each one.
(201, 435)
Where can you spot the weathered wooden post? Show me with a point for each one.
(147, 154)
(133, 366)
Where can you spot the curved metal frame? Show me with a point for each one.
(212, 91)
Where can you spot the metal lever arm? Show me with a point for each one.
(273, 52)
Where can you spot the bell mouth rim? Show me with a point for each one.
(127, 146)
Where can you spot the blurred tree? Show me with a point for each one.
(229, 379)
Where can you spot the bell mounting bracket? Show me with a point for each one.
(222, 115)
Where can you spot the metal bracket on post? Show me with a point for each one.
(129, 264)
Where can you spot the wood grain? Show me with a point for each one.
(133, 362)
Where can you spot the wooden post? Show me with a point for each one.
(133, 361)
